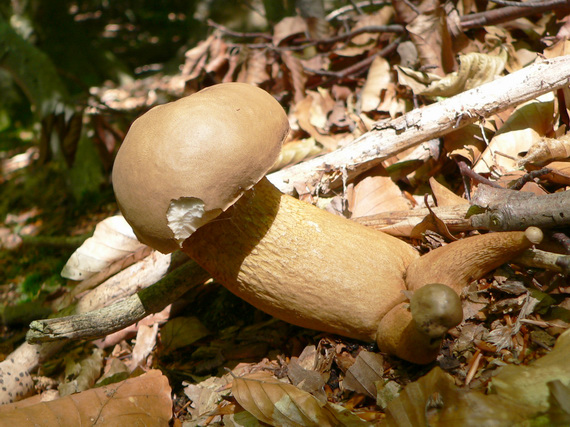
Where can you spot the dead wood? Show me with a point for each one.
(505, 210)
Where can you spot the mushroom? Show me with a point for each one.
(190, 175)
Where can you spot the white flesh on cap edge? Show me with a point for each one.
(186, 214)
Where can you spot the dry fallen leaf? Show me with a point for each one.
(435, 400)
(144, 400)
(444, 196)
(279, 404)
(377, 80)
(374, 194)
(528, 385)
(525, 126)
(112, 240)
(367, 369)
(547, 150)
(81, 375)
(474, 70)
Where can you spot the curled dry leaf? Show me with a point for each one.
(468, 142)
(112, 240)
(524, 127)
(80, 376)
(362, 376)
(296, 151)
(288, 28)
(546, 150)
(474, 70)
(429, 33)
(378, 79)
(144, 400)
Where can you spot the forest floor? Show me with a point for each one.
(212, 359)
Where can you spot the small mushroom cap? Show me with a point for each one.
(183, 163)
(436, 308)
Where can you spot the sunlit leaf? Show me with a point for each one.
(279, 404)
(112, 240)
(144, 400)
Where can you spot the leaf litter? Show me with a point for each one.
(494, 366)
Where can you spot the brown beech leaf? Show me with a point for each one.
(444, 196)
(312, 115)
(279, 404)
(254, 68)
(430, 35)
(296, 151)
(144, 400)
(467, 142)
(376, 194)
(112, 240)
(81, 375)
(559, 172)
(367, 369)
(288, 28)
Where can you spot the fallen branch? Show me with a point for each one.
(388, 138)
(106, 320)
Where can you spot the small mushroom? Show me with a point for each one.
(436, 308)
(190, 175)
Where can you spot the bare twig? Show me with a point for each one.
(505, 14)
(506, 209)
(232, 33)
(355, 68)
(530, 176)
(548, 3)
(360, 5)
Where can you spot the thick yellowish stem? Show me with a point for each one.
(304, 265)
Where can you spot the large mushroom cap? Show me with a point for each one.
(183, 163)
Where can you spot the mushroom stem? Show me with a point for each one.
(302, 264)
(459, 263)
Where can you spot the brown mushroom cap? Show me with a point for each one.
(193, 158)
